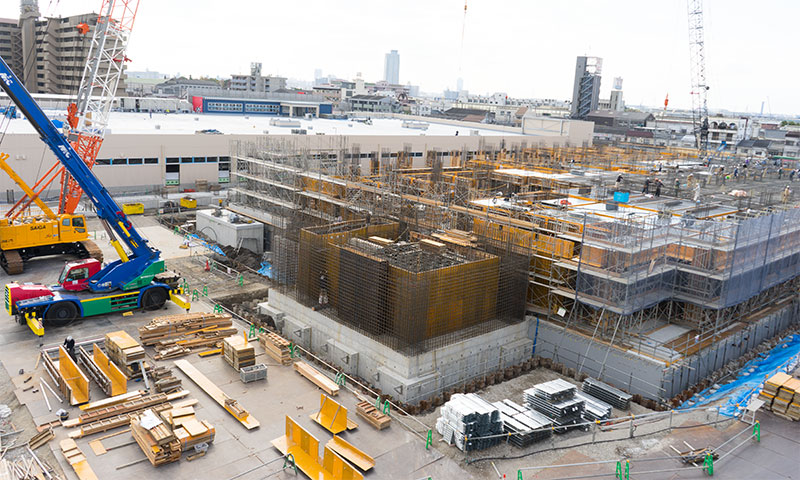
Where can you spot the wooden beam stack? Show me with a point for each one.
(178, 335)
(317, 378)
(155, 438)
(123, 350)
(187, 429)
(771, 387)
(238, 352)
(276, 347)
(368, 412)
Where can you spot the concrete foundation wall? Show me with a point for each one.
(221, 231)
(409, 378)
(635, 372)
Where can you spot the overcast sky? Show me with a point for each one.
(525, 48)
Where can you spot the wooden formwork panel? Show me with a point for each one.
(74, 377)
(119, 382)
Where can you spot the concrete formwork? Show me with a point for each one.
(409, 378)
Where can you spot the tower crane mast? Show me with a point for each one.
(699, 92)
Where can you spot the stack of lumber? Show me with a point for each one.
(317, 378)
(368, 412)
(178, 335)
(175, 327)
(187, 429)
(787, 402)
(163, 379)
(276, 347)
(238, 352)
(771, 387)
(155, 438)
(123, 350)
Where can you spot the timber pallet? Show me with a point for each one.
(368, 412)
(276, 347)
(238, 352)
(317, 378)
(176, 326)
(112, 423)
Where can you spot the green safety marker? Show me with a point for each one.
(195, 295)
(386, 407)
(429, 441)
(218, 308)
(519, 474)
(757, 431)
(378, 402)
(177, 232)
(291, 350)
(289, 459)
(252, 333)
(619, 475)
(240, 280)
(708, 464)
(341, 379)
(205, 290)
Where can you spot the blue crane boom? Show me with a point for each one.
(131, 271)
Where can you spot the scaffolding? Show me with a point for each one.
(706, 258)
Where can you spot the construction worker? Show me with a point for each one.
(677, 186)
(646, 187)
(618, 183)
(69, 346)
(323, 290)
(658, 187)
(786, 194)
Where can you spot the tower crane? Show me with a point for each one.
(87, 118)
(699, 92)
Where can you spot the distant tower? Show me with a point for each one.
(391, 68)
(28, 13)
(616, 101)
(459, 84)
(586, 90)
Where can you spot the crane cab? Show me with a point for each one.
(75, 275)
(72, 228)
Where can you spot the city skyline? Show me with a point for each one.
(528, 55)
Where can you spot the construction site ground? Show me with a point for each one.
(399, 452)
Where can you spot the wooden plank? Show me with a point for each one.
(108, 402)
(351, 453)
(213, 391)
(76, 458)
(317, 378)
(97, 447)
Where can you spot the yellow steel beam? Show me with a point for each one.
(331, 415)
(350, 453)
(24, 186)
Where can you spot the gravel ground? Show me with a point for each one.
(21, 419)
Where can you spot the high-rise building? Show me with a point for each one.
(255, 82)
(47, 54)
(586, 90)
(11, 44)
(391, 68)
(615, 102)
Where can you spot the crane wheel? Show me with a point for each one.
(154, 298)
(11, 262)
(92, 250)
(61, 314)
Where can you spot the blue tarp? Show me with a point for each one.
(265, 270)
(784, 357)
(210, 246)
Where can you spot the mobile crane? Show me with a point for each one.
(24, 236)
(35, 235)
(86, 287)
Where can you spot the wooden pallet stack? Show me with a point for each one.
(163, 379)
(368, 412)
(276, 347)
(123, 350)
(238, 352)
(174, 336)
(786, 403)
(155, 438)
(187, 428)
(771, 387)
